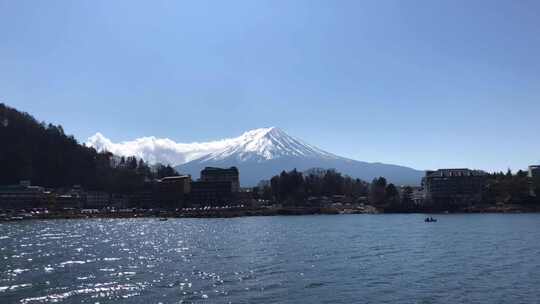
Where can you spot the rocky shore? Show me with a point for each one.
(506, 208)
(240, 212)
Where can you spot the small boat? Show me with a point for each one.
(163, 219)
(430, 220)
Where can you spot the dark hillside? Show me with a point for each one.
(44, 154)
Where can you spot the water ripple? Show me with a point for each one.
(309, 259)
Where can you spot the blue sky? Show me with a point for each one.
(426, 84)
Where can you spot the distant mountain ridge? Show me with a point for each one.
(263, 153)
(265, 144)
(259, 154)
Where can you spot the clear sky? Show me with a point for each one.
(426, 84)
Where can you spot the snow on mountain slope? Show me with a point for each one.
(265, 144)
(261, 144)
(258, 154)
(262, 153)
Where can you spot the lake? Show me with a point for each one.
(463, 258)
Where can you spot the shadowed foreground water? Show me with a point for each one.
(484, 258)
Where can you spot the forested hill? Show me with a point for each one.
(44, 154)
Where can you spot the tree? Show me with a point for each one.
(44, 154)
(521, 174)
(392, 195)
(507, 188)
(143, 169)
(377, 191)
(164, 171)
(294, 188)
(131, 163)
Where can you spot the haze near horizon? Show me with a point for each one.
(419, 84)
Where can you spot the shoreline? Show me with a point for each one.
(221, 213)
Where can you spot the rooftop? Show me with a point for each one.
(220, 169)
(170, 178)
(455, 172)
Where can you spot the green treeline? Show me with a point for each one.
(387, 195)
(293, 188)
(510, 188)
(44, 154)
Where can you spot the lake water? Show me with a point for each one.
(482, 258)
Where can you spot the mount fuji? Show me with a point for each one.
(258, 154)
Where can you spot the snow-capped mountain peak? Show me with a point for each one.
(258, 154)
(265, 144)
(258, 144)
